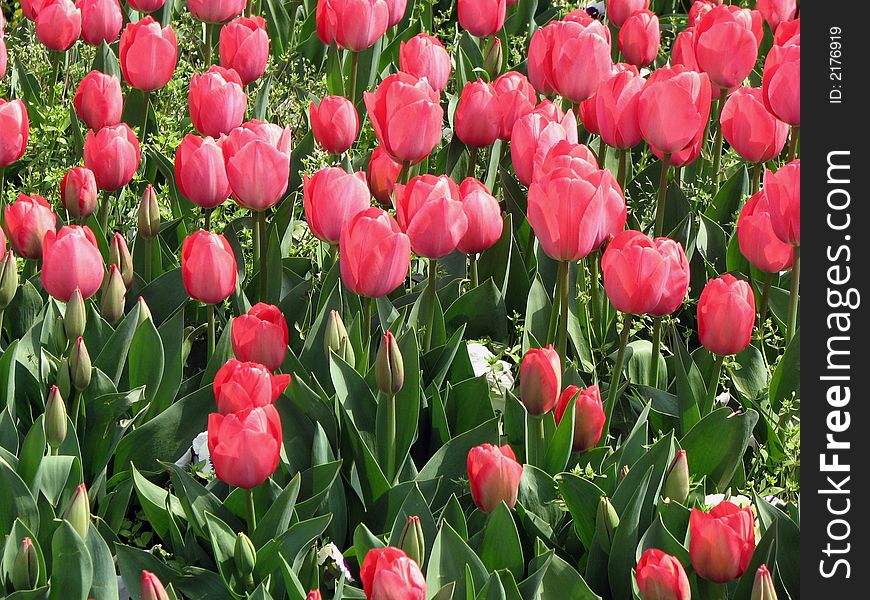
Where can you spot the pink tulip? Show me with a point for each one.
(14, 131)
(98, 100)
(673, 107)
(245, 447)
(564, 155)
(208, 267)
(749, 128)
(244, 47)
(776, 11)
(429, 210)
(494, 476)
(722, 541)
(200, 173)
(726, 44)
(78, 192)
(27, 222)
(516, 98)
(148, 54)
(535, 134)
(146, 6)
(217, 101)
(640, 38)
(331, 198)
(616, 109)
(726, 315)
(783, 191)
(618, 11)
(788, 33)
(216, 11)
(334, 123)
(570, 59)
(686, 156)
(757, 240)
(382, 176)
(261, 336)
(31, 8)
(660, 576)
(424, 56)
(113, 155)
(388, 574)
(645, 276)
(397, 11)
(244, 385)
(700, 8)
(101, 21)
(406, 114)
(4, 56)
(477, 121)
(481, 18)
(540, 379)
(352, 24)
(58, 24)
(257, 159)
(374, 254)
(589, 415)
(683, 53)
(483, 214)
(152, 588)
(781, 83)
(71, 260)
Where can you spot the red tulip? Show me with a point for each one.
(776, 11)
(331, 198)
(616, 109)
(783, 191)
(483, 213)
(352, 24)
(726, 44)
(516, 98)
(781, 83)
(334, 123)
(382, 176)
(397, 11)
(30, 8)
(216, 11)
(758, 243)
(146, 6)
(14, 131)
(27, 222)
(217, 101)
(58, 24)
(314, 595)
(673, 107)
(244, 47)
(257, 159)
(241, 386)
(388, 574)
(589, 415)
(261, 336)
(660, 576)
(645, 276)
(570, 59)
(700, 8)
(98, 100)
(749, 128)
(101, 20)
(208, 267)
(788, 33)
(726, 315)
(152, 589)
(406, 114)
(540, 379)
(200, 172)
(78, 192)
(618, 11)
(429, 210)
(424, 56)
(148, 54)
(71, 260)
(481, 18)
(374, 254)
(573, 212)
(494, 476)
(477, 121)
(113, 155)
(721, 541)
(245, 447)
(640, 38)
(535, 134)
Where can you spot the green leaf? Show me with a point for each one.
(500, 547)
(581, 496)
(197, 502)
(715, 446)
(104, 585)
(481, 310)
(560, 444)
(450, 461)
(625, 540)
(561, 580)
(16, 502)
(157, 504)
(146, 359)
(277, 519)
(727, 199)
(72, 566)
(113, 356)
(10, 551)
(786, 378)
(223, 542)
(448, 560)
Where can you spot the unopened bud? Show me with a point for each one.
(112, 302)
(8, 279)
(80, 365)
(152, 588)
(494, 58)
(389, 366)
(677, 479)
(763, 588)
(149, 214)
(412, 540)
(606, 523)
(144, 311)
(314, 595)
(55, 418)
(244, 556)
(119, 254)
(76, 316)
(25, 568)
(337, 340)
(78, 511)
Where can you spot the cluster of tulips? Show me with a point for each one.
(577, 209)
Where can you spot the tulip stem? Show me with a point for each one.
(564, 279)
(713, 384)
(260, 232)
(209, 308)
(206, 218)
(252, 511)
(534, 439)
(144, 131)
(472, 160)
(662, 196)
(391, 438)
(366, 306)
(623, 167)
(432, 297)
(654, 357)
(403, 174)
(472, 270)
(55, 58)
(794, 295)
(207, 48)
(147, 260)
(2, 189)
(717, 142)
(76, 407)
(105, 208)
(602, 153)
(793, 144)
(616, 375)
(756, 179)
(765, 297)
(354, 73)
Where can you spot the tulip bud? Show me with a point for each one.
(76, 317)
(337, 340)
(80, 365)
(55, 418)
(112, 302)
(152, 589)
(314, 595)
(763, 588)
(606, 523)
(119, 255)
(412, 540)
(244, 556)
(78, 511)
(149, 214)
(494, 58)
(8, 279)
(144, 311)
(389, 366)
(63, 383)
(25, 568)
(677, 480)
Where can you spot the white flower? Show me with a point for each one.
(723, 398)
(498, 372)
(330, 552)
(197, 452)
(712, 500)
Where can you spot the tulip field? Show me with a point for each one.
(399, 299)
